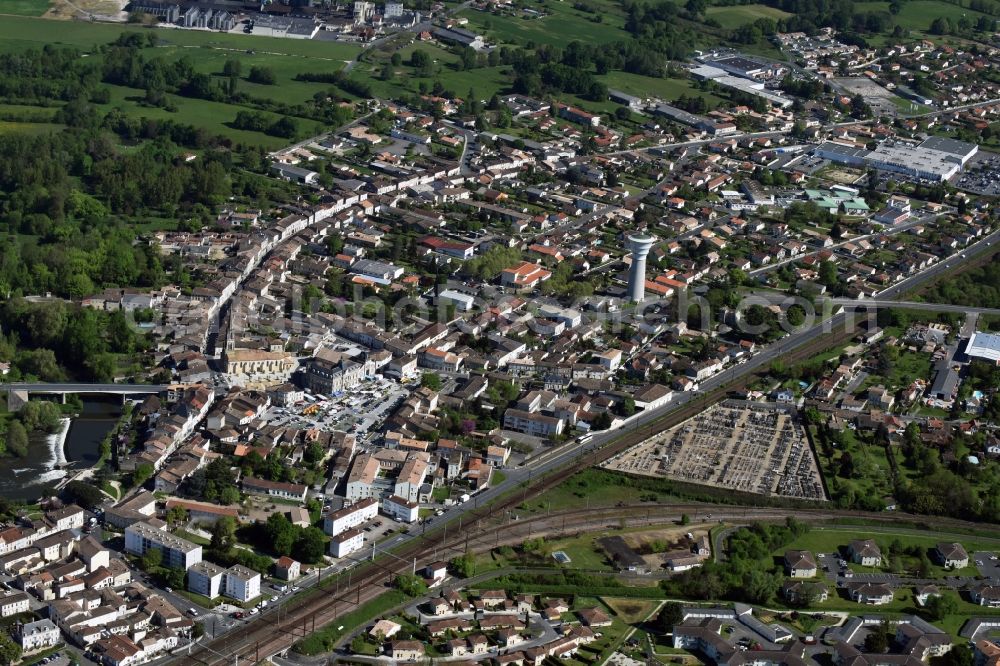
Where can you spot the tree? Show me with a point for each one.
(174, 577)
(229, 495)
(828, 273)
(151, 559)
(431, 380)
(940, 26)
(464, 565)
(759, 585)
(670, 616)
(419, 59)
(877, 640)
(602, 421)
(41, 415)
(16, 439)
(960, 655)
(940, 606)
(628, 406)
(84, 494)
(232, 68)
(177, 515)
(685, 519)
(10, 652)
(310, 545)
(223, 534)
(359, 643)
(411, 585)
(281, 534)
(143, 472)
(261, 75)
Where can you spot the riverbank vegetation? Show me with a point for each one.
(34, 416)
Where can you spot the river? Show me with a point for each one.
(51, 457)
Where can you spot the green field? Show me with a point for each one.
(287, 89)
(484, 81)
(666, 89)
(19, 32)
(918, 14)
(561, 26)
(737, 15)
(829, 540)
(208, 51)
(213, 116)
(591, 487)
(11, 127)
(24, 7)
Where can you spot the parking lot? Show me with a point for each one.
(981, 175)
(987, 563)
(877, 97)
(359, 411)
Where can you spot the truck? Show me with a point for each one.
(464, 497)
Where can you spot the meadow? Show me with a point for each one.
(208, 52)
(734, 17)
(919, 14)
(668, 89)
(213, 116)
(562, 25)
(20, 32)
(24, 7)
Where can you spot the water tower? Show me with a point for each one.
(640, 245)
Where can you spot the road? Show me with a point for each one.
(268, 636)
(544, 466)
(566, 453)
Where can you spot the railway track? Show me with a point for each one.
(262, 639)
(266, 635)
(270, 635)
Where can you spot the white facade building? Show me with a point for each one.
(350, 516)
(38, 635)
(206, 579)
(347, 542)
(177, 552)
(242, 584)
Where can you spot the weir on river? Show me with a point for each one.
(53, 457)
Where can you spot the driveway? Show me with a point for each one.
(987, 563)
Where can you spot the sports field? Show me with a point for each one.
(737, 15)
